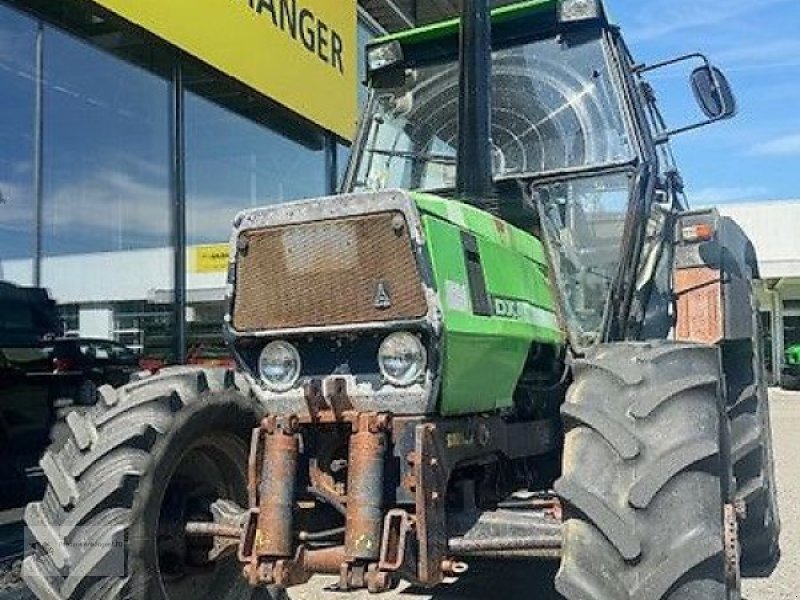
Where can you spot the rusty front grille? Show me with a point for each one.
(353, 270)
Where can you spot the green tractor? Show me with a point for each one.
(791, 368)
(507, 338)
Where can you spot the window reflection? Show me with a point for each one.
(108, 243)
(106, 152)
(365, 35)
(107, 195)
(233, 163)
(17, 102)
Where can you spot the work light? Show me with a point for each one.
(279, 366)
(384, 55)
(571, 11)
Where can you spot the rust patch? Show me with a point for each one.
(700, 314)
(365, 484)
(277, 488)
(430, 509)
(326, 273)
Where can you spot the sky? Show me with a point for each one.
(755, 156)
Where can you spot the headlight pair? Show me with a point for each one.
(402, 360)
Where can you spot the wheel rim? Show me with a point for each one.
(212, 468)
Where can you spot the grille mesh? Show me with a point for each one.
(328, 273)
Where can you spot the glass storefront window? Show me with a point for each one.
(106, 152)
(107, 233)
(145, 327)
(342, 159)
(108, 243)
(791, 329)
(233, 163)
(70, 319)
(17, 106)
(206, 345)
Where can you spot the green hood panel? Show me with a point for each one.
(483, 224)
(487, 337)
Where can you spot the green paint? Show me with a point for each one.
(481, 223)
(484, 356)
(793, 355)
(450, 27)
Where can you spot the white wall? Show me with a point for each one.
(774, 228)
(17, 271)
(114, 277)
(96, 322)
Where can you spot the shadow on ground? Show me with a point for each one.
(496, 579)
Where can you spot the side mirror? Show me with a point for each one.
(713, 93)
(711, 90)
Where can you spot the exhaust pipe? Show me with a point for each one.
(474, 177)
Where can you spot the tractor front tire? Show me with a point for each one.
(647, 476)
(145, 460)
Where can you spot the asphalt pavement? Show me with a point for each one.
(533, 580)
(784, 583)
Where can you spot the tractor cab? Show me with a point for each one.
(577, 148)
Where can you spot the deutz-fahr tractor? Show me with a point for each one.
(507, 338)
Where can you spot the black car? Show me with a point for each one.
(81, 365)
(43, 377)
(28, 318)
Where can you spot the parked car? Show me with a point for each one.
(82, 365)
(43, 377)
(28, 319)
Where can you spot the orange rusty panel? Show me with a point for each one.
(700, 317)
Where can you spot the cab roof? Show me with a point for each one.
(545, 11)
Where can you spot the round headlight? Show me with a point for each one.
(279, 366)
(402, 359)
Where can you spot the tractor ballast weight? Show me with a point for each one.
(506, 338)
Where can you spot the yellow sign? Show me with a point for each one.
(212, 258)
(300, 53)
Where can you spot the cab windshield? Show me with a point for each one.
(554, 108)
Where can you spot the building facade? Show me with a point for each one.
(772, 226)
(129, 141)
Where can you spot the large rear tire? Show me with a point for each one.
(646, 477)
(754, 468)
(148, 458)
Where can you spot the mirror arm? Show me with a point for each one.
(639, 69)
(664, 136)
